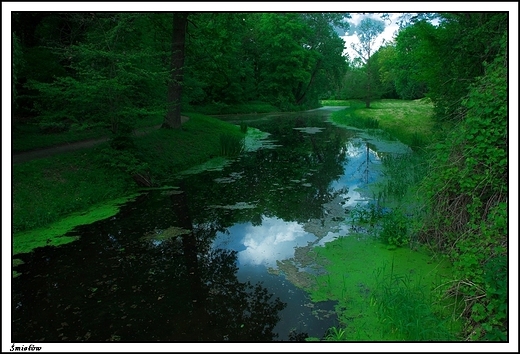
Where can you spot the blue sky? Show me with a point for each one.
(387, 35)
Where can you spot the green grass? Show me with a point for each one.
(335, 103)
(409, 121)
(336, 334)
(350, 263)
(231, 145)
(29, 136)
(406, 311)
(45, 190)
(168, 152)
(49, 189)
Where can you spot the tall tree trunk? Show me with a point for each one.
(313, 77)
(369, 88)
(173, 116)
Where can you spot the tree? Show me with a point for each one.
(453, 54)
(386, 60)
(17, 65)
(220, 57)
(298, 55)
(110, 79)
(414, 60)
(368, 31)
(173, 116)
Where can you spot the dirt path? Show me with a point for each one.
(58, 149)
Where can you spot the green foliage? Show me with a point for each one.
(243, 127)
(454, 55)
(336, 334)
(349, 117)
(366, 215)
(123, 156)
(91, 176)
(394, 229)
(234, 58)
(413, 60)
(405, 310)
(231, 145)
(367, 31)
(17, 66)
(218, 108)
(105, 72)
(467, 196)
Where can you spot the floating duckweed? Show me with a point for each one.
(161, 235)
(215, 164)
(55, 234)
(310, 130)
(238, 205)
(232, 178)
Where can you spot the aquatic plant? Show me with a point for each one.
(394, 229)
(350, 118)
(336, 334)
(243, 127)
(231, 145)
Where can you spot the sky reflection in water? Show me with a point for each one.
(264, 244)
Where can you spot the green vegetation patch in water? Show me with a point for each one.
(236, 206)
(256, 139)
(310, 130)
(54, 235)
(215, 164)
(16, 263)
(352, 267)
(161, 235)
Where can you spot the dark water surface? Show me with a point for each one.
(200, 262)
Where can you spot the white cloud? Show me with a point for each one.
(274, 240)
(386, 36)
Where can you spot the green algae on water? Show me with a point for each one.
(16, 263)
(166, 234)
(310, 130)
(214, 164)
(236, 206)
(55, 234)
(256, 139)
(352, 267)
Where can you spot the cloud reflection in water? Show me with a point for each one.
(275, 239)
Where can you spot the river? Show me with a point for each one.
(208, 259)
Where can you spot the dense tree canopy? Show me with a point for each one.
(116, 68)
(438, 61)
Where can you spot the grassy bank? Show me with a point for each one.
(30, 136)
(49, 189)
(409, 121)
